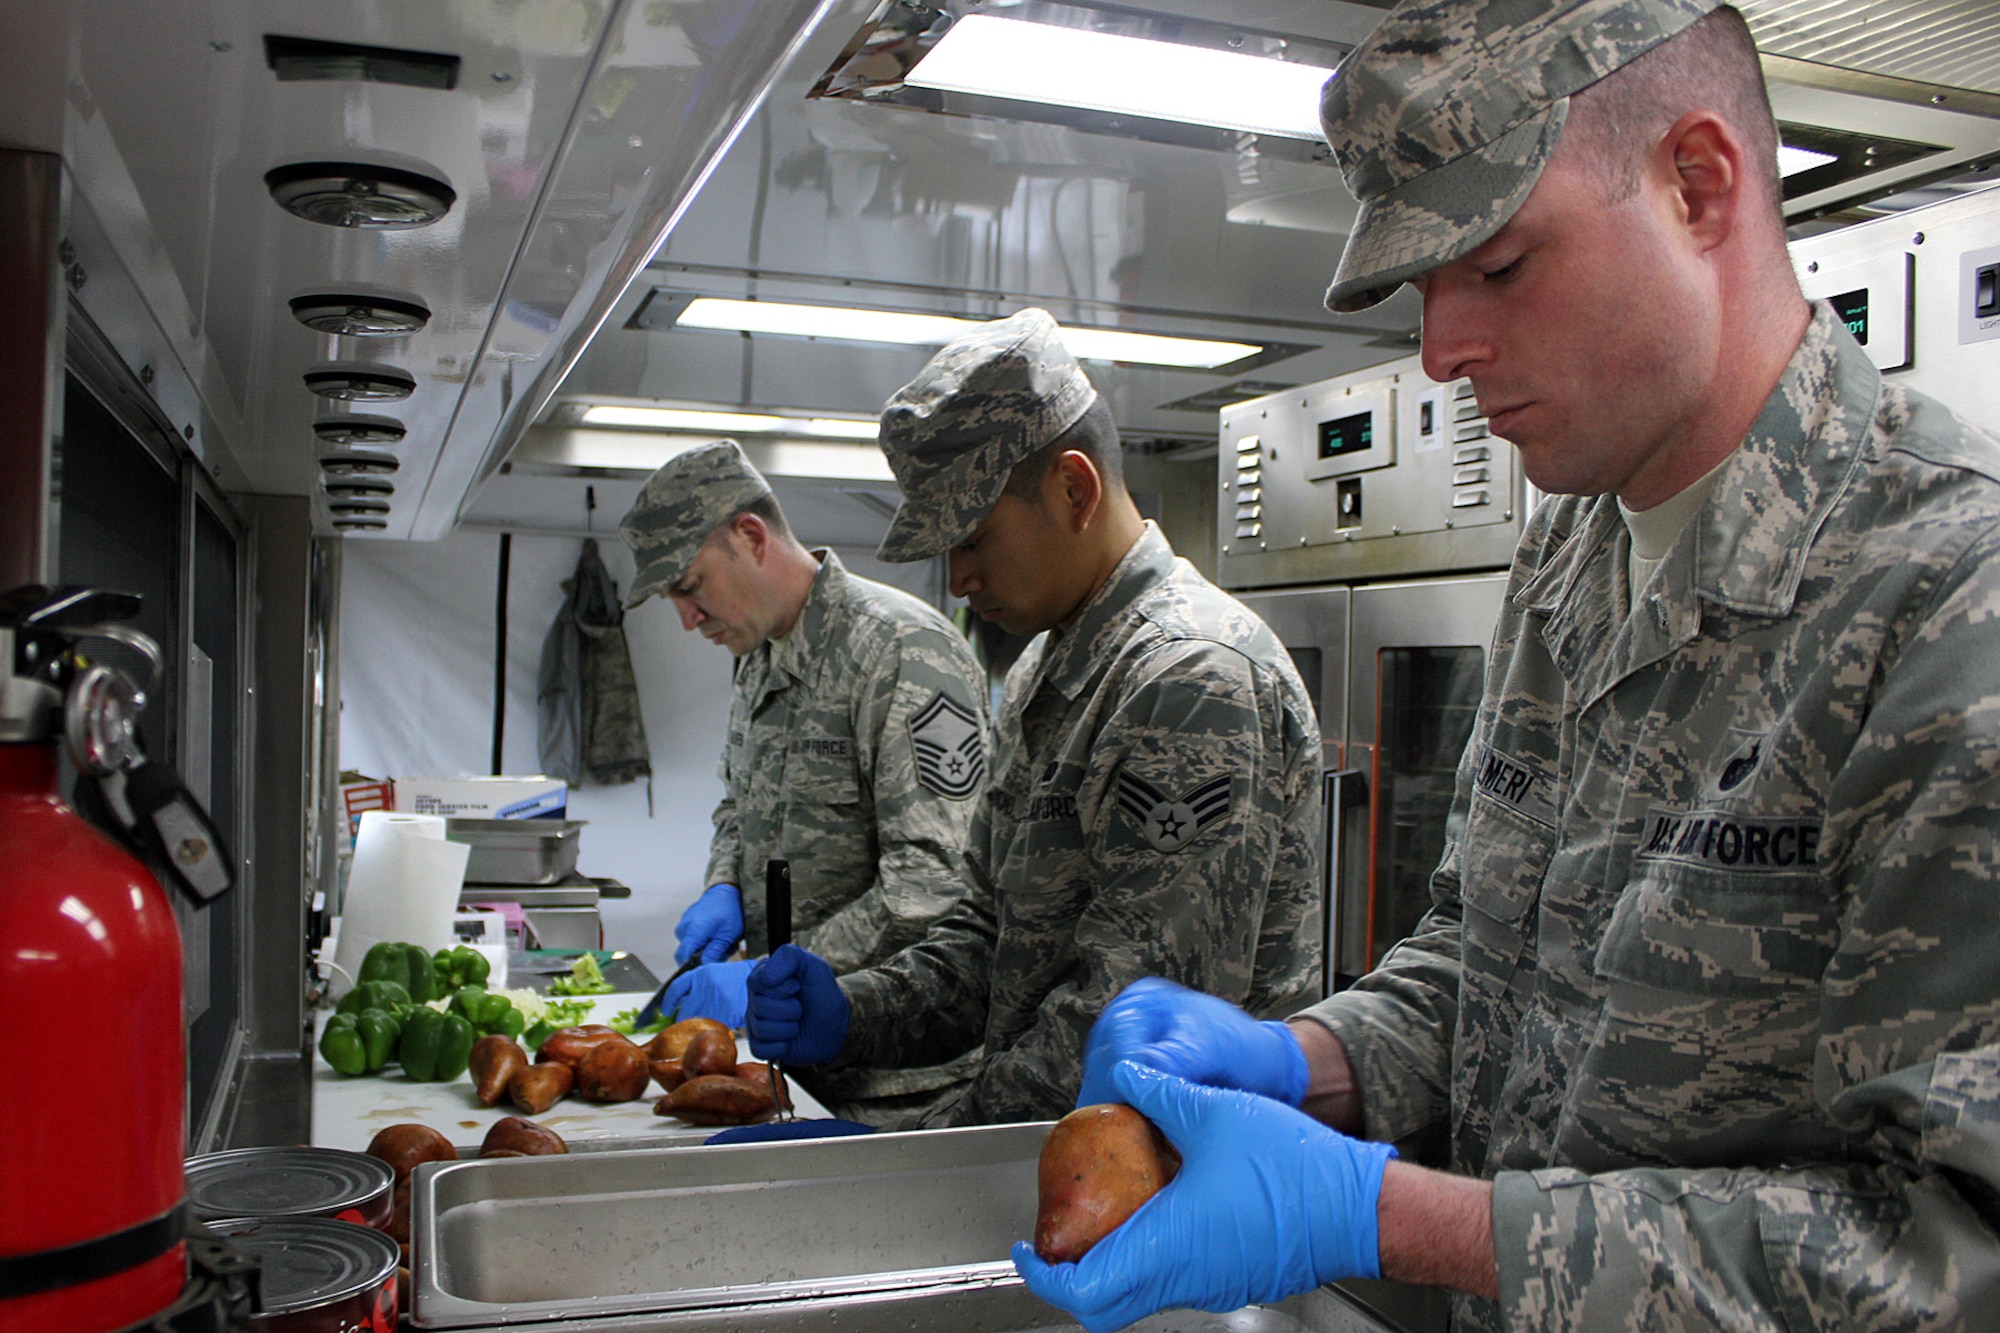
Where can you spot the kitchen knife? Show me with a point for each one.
(650, 1011)
(778, 925)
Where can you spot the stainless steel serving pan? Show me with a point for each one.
(522, 1239)
(517, 851)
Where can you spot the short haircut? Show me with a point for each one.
(1710, 66)
(1094, 435)
(765, 507)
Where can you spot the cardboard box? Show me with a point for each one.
(483, 798)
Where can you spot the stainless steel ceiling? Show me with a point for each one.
(581, 128)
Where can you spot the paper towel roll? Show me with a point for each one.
(403, 886)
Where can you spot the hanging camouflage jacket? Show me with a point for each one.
(1711, 988)
(591, 734)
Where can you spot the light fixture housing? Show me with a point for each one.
(359, 194)
(356, 316)
(356, 428)
(1219, 71)
(982, 55)
(859, 324)
(371, 383)
(723, 422)
(359, 464)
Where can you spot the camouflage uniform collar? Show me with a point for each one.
(796, 652)
(1791, 469)
(1071, 655)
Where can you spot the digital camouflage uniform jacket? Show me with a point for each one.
(856, 751)
(1712, 982)
(1153, 811)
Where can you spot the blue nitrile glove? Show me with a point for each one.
(712, 923)
(713, 990)
(779, 1131)
(1268, 1203)
(1197, 1037)
(798, 1013)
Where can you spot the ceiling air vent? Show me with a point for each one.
(300, 58)
(360, 316)
(358, 489)
(357, 465)
(355, 523)
(355, 194)
(357, 429)
(361, 384)
(358, 508)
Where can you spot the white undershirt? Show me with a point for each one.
(1655, 530)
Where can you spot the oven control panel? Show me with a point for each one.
(1378, 473)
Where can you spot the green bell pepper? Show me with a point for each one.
(408, 965)
(380, 1031)
(342, 1046)
(459, 966)
(435, 1047)
(488, 1012)
(384, 995)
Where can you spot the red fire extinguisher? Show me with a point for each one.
(92, 1227)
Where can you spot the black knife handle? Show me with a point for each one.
(778, 901)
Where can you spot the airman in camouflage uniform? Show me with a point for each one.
(1155, 781)
(856, 743)
(1709, 989)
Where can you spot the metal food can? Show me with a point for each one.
(319, 1275)
(291, 1182)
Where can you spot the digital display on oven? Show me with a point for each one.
(1347, 435)
(1852, 307)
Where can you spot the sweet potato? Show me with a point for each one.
(539, 1086)
(404, 1146)
(710, 1051)
(667, 1073)
(568, 1046)
(1098, 1164)
(513, 1136)
(495, 1060)
(672, 1041)
(756, 1071)
(716, 1099)
(612, 1071)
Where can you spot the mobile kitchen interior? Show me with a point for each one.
(334, 329)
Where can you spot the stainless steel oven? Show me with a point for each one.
(1396, 671)
(1369, 518)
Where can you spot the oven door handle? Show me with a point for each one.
(1341, 790)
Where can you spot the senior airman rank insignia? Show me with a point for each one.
(1171, 823)
(950, 747)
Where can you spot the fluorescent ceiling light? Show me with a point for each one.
(1099, 71)
(727, 423)
(1792, 160)
(889, 326)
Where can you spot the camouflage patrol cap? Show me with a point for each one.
(980, 406)
(1443, 119)
(690, 496)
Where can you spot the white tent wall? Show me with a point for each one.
(416, 673)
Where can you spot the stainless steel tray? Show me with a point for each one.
(521, 1239)
(517, 851)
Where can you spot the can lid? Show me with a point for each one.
(309, 1262)
(284, 1182)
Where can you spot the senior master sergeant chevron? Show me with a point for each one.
(1156, 761)
(855, 751)
(1704, 1022)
